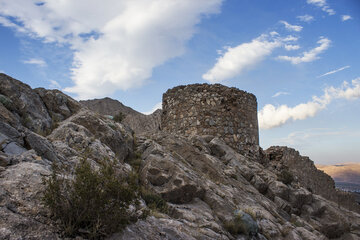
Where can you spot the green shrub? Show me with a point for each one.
(242, 223)
(286, 177)
(119, 117)
(236, 226)
(93, 204)
(154, 201)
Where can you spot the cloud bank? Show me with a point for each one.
(271, 116)
(116, 44)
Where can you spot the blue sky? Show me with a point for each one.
(299, 57)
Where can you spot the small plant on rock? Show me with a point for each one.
(93, 204)
(286, 177)
(154, 201)
(119, 117)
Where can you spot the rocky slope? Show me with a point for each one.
(136, 121)
(206, 184)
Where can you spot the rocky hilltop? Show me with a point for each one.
(211, 188)
(136, 121)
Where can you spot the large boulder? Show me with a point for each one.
(26, 104)
(114, 135)
(167, 177)
(59, 105)
(22, 213)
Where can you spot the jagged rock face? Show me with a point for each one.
(316, 181)
(228, 182)
(59, 105)
(136, 121)
(26, 105)
(207, 184)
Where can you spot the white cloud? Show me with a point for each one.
(237, 59)
(116, 44)
(311, 55)
(305, 18)
(270, 116)
(345, 18)
(54, 84)
(323, 5)
(36, 61)
(156, 107)
(290, 27)
(291, 47)
(334, 71)
(2, 71)
(280, 93)
(290, 38)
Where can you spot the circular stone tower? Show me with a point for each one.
(217, 110)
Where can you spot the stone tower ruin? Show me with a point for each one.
(213, 109)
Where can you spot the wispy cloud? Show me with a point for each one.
(111, 49)
(271, 116)
(2, 71)
(303, 137)
(306, 18)
(36, 61)
(237, 59)
(290, 38)
(54, 84)
(323, 5)
(345, 18)
(280, 93)
(334, 71)
(290, 27)
(291, 47)
(311, 55)
(156, 107)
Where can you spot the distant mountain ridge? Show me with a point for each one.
(347, 172)
(135, 120)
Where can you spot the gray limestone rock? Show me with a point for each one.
(27, 105)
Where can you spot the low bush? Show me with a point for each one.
(242, 223)
(119, 117)
(93, 204)
(286, 177)
(154, 201)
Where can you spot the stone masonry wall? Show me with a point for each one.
(217, 110)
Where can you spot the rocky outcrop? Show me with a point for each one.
(138, 122)
(212, 191)
(308, 176)
(59, 105)
(23, 104)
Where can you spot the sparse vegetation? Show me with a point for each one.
(242, 223)
(286, 177)
(93, 204)
(6, 102)
(154, 201)
(119, 117)
(236, 226)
